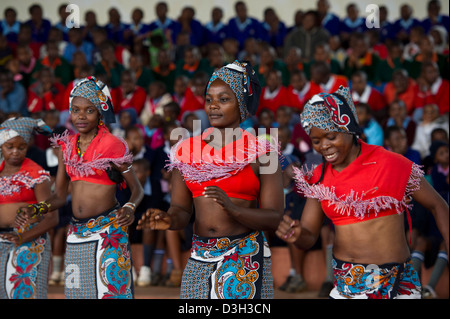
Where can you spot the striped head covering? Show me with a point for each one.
(331, 112)
(98, 93)
(22, 126)
(243, 81)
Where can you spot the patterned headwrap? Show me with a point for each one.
(331, 112)
(22, 126)
(243, 81)
(98, 93)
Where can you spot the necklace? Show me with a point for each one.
(80, 154)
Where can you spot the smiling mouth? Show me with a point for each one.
(330, 157)
(215, 116)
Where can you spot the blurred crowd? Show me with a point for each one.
(157, 72)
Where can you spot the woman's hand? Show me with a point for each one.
(125, 216)
(23, 216)
(12, 237)
(154, 219)
(220, 197)
(289, 229)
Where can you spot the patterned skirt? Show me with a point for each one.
(369, 281)
(235, 267)
(98, 260)
(24, 269)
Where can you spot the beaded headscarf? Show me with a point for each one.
(98, 93)
(243, 81)
(331, 112)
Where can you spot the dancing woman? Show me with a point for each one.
(232, 179)
(93, 162)
(364, 190)
(24, 251)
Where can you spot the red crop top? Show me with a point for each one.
(377, 183)
(91, 167)
(19, 187)
(228, 168)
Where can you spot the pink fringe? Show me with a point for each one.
(76, 166)
(14, 183)
(354, 203)
(218, 168)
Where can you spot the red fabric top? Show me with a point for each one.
(377, 183)
(19, 187)
(91, 167)
(240, 182)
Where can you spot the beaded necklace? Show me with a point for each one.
(80, 154)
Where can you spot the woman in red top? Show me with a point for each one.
(93, 162)
(24, 251)
(223, 174)
(363, 189)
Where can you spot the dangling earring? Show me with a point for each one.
(100, 123)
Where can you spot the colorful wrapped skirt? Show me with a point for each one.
(235, 267)
(24, 268)
(98, 260)
(369, 281)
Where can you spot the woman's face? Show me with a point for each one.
(337, 148)
(84, 115)
(14, 151)
(222, 106)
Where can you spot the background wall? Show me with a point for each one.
(284, 8)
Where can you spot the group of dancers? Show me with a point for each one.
(230, 181)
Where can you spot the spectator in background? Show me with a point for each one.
(362, 92)
(430, 121)
(117, 31)
(170, 28)
(307, 36)
(395, 140)
(216, 31)
(142, 73)
(434, 16)
(242, 26)
(393, 61)
(128, 94)
(90, 25)
(9, 26)
(230, 49)
(397, 116)
(76, 43)
(401, 87)
(191, 63)
(352, 23)
(40, 27)
(165, 70)
(109, 68)
(269, 62)
(46, 93)
(427, 54)
(192, 26)
(385, 30)
(322, 54)
(156, 99)
(412, 48)
(372, 131)
(61, 24)
(274, 93)
(322, 80)
(61, 68)
(402, 26)
(298, 90)
(328, 20)
(275, 29)
(433, 89)
(139, 29)
(27, 63)
(361, 58)
(337, 52)
(13, 97)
